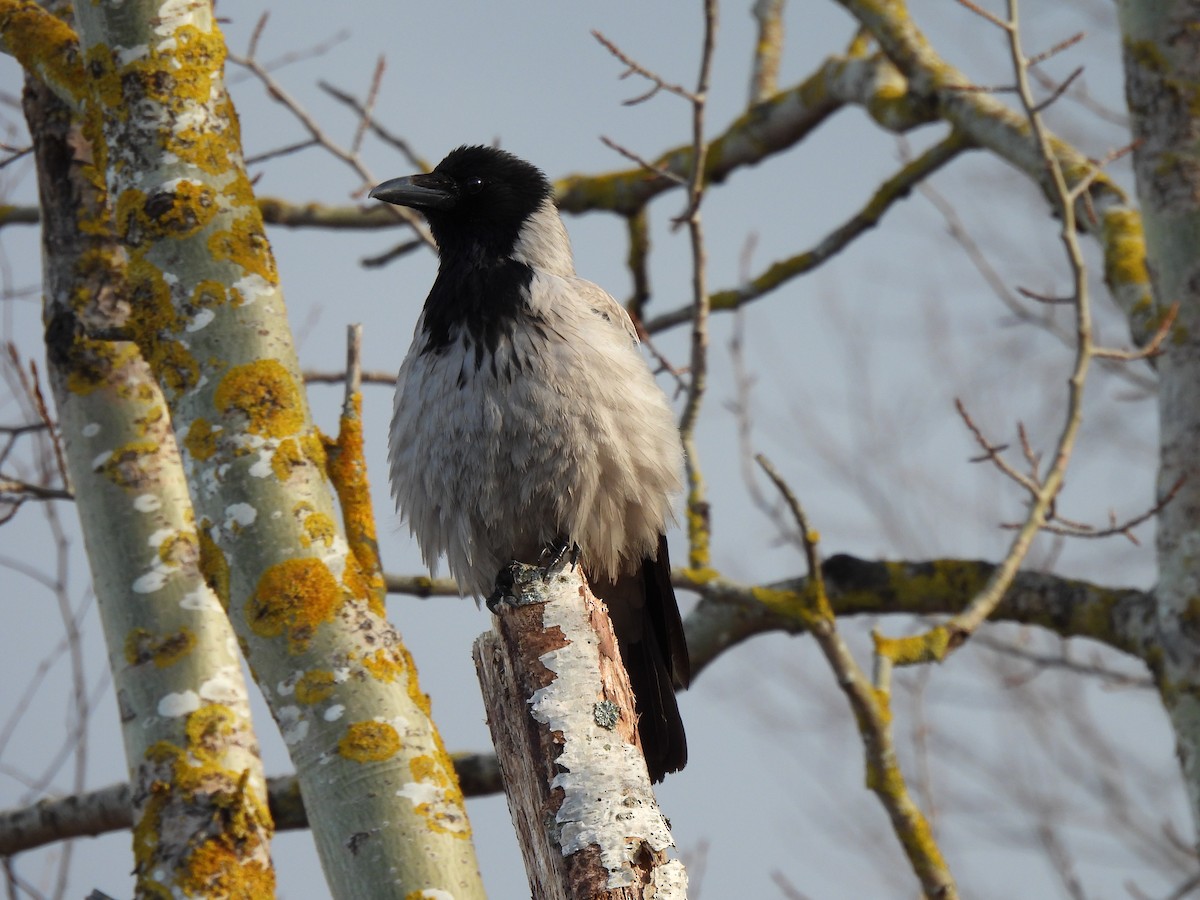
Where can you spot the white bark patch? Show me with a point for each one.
(126, 55)
(262, 468)
(202, 600)
(200, 320)
(287, 687)
(174, 705)
(90, 430)
(335, 712)
(147, 503)
(432, 894)
(607, 798)
(173, 14)
(156, 539)
(225, 686)
(253, 288)
(239, 515)
(292, 725)
(152, 581)
(419, 792)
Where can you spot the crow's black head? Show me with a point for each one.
(476, 197)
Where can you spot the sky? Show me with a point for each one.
(850, 377)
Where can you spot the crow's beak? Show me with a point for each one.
(430, 191)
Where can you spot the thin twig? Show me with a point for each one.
(634, 68)
(415, 159)
(348, 156)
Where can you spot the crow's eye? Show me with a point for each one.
(472, 186)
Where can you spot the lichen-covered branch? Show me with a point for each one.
(730, 612)
(207, 313)
(896, 188)
(1103, 210)
(198, 798)
(111, 808)
(1161, 50)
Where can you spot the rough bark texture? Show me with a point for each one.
(207, 314)
(199, 795)
(561, 715)
(1161, 49)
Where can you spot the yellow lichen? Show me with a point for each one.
(419, 698)
(446, 814)
(385, 665)
(348, 471)
(929, 646)
(226, 850)
(369, 742)
(293, 597)
(181, 550)
(244, 243)
(43, 44)
(286, 459)
(156, 322)
(142, 646)
(132, 464)
(318, 528)
(214, 869)
(201, 439)
(91, 364)
(213, 565)
(315, 686)
(177, 213)
(266, 393)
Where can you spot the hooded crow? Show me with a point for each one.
(527, 423)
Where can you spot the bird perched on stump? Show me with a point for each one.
(527, 425)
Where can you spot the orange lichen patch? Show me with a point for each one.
(98, 272)
(287, 459)
(447, 814)
(92, 362)
(356, 583)
(201, 439)
(43, 44)
(155, 322)
(369, 742)
(415, 694)
(219, 824)
(315, 686)
(386, 665)
(348, 471)
(244, 243)
(318, 528)
(266, 393)
(130, 465)
(177, 213)
(292, 453)
(213, 565)
(215, 869)
(154, 418)
(142, 646)
(180, 550)
(209, 730)
(208, 294)
(293, 597)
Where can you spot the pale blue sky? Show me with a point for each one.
(856, 368)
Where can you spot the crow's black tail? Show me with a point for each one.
(649, 632)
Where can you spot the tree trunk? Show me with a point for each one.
(561, 713)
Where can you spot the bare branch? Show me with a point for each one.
(896, 188)
(415, 160)
(634, 68)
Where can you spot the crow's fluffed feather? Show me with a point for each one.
(525, 416)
